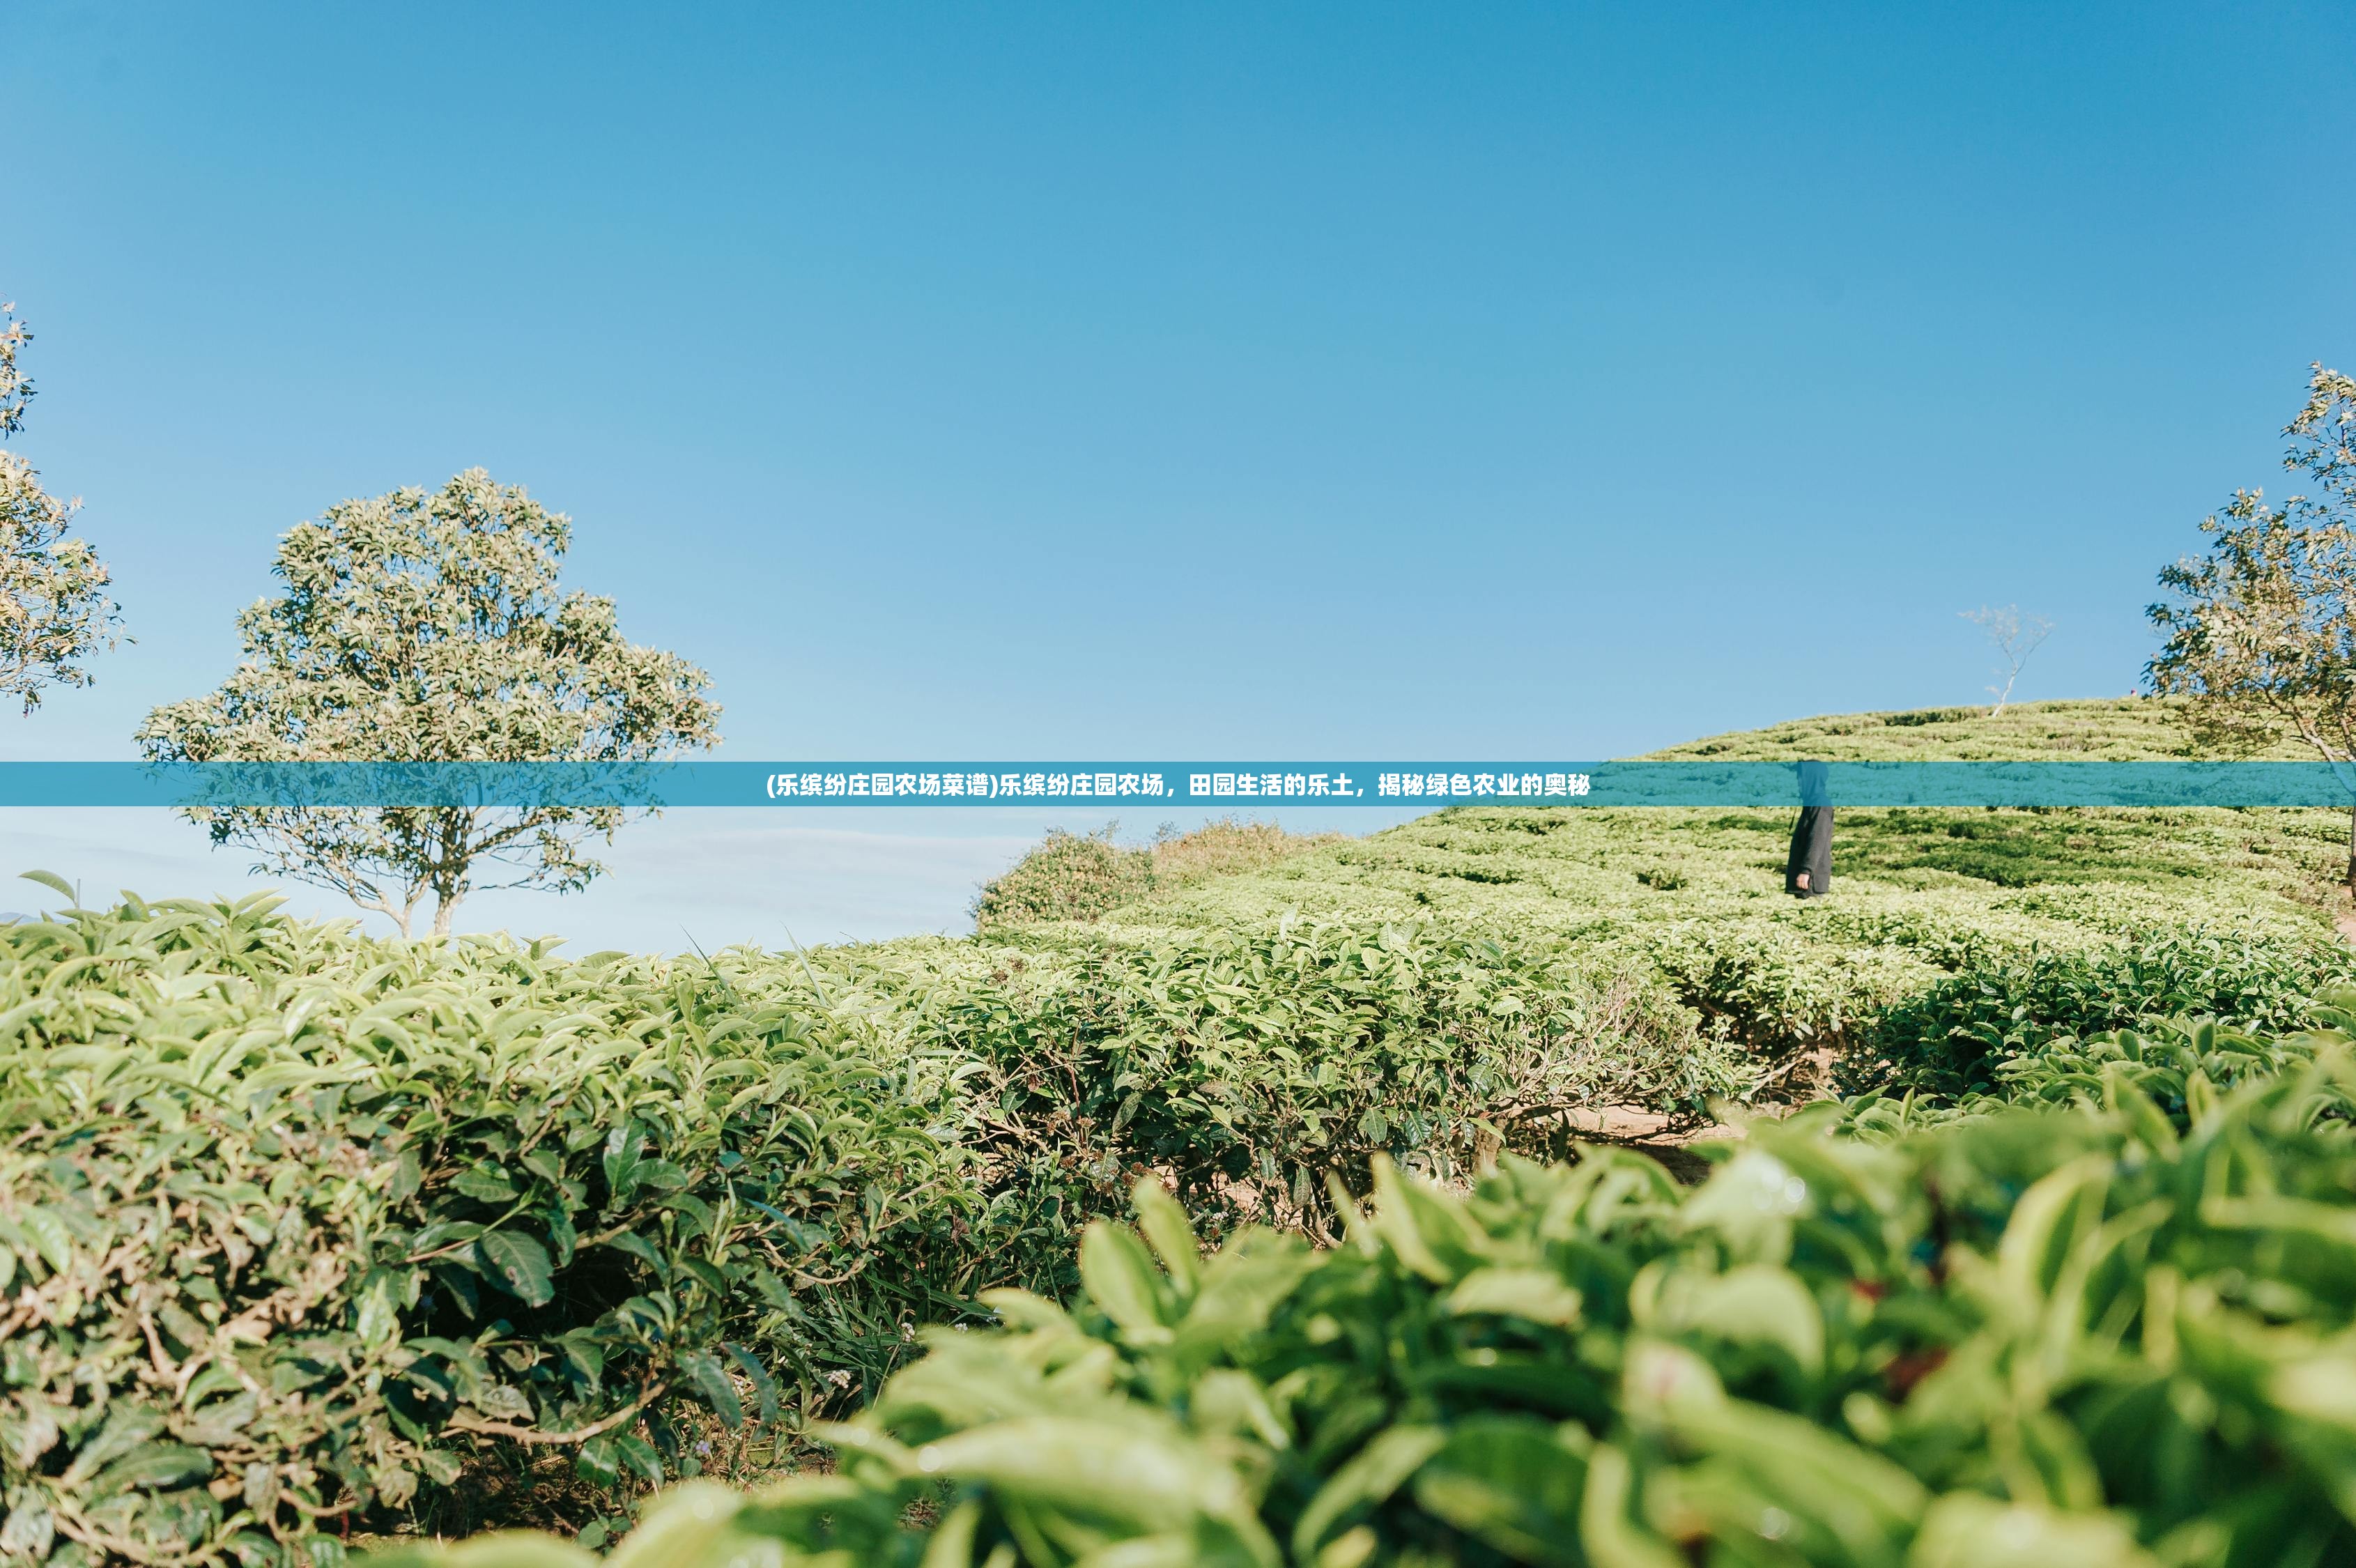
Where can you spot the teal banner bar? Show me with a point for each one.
(1214, 785)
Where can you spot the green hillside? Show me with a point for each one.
(1920, 897)
(2122, 729)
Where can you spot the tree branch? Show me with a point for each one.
(580, 1434)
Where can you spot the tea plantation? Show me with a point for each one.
(307, 1238)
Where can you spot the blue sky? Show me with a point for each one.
(1162, 381)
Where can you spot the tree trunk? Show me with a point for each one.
(2352, 851)
(448, 902)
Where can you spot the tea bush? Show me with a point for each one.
(2104, 1335)
(2171, 1059)
(289, 1219)
(1771, 971)
(1224, 848)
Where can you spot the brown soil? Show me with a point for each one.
(1648, 1133)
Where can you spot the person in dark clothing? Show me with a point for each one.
(1808, 871)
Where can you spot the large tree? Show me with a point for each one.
(54, 608)
(430, 627)
(2261, 632)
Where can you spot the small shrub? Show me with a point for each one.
(1775, 989)
(1225, 848)
(1070, 876)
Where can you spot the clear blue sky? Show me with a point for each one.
(1161, 379)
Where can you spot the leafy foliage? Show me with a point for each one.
(2105, 1335)
(2116, 729)
(1933, 909)
(421, 627)
(818, 1151)
(1224, 848)
(16, 387)
(2174, 1062)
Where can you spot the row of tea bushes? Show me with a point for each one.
(292, 1223)
(1963, 1035)
(2116, 1335)
(2173, 1064)
(1242, 1067)
(1931, 992)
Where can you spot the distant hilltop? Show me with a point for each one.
(2114, 729)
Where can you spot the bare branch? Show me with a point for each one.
(2016, 638)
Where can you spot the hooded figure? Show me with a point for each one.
(1808, 873)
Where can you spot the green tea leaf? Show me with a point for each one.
(518, 1264)
(1368, 1478)
(1121, 1280)
(1534, 1294)
(709, 1382)
(1164, 1225)
(50, 1240)
(51, 880)
(1510, 1485)
(154, 1465)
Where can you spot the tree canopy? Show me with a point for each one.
(54, 607)
(2261, 632)
(419, 626)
